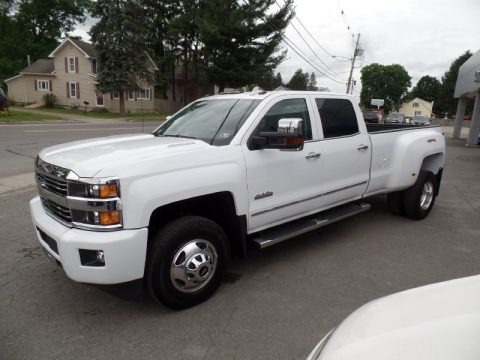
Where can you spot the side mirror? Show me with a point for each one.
(289, 136)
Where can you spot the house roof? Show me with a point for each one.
(417, 99)
(40, 66)
(86, 48)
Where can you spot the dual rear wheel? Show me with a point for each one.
(417, 201)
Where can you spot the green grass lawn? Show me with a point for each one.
(106, 115)
(17, 116)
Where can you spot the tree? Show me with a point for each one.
(270, 81)
(34, 27)
(427, 88)
(299, 80)
(388, 82)
(119, 38)
(158, 16)
(446, 102)
(312, 83)
(241, 38)
(278, 80)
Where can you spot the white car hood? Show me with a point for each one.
(88, 157)
(437, 322)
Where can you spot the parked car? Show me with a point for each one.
(224, 174)
(435, 322)
(420, 120)
(370, 117)
(395, 118)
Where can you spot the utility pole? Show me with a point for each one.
(356, 53)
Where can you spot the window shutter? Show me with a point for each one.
(68, 90)
(78, 90)
(76, 64)
(111, 96)
(66, 65)
(50, 85)
(135, 93)
(150, 94)
(36, 84)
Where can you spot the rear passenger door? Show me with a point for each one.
(345, 150)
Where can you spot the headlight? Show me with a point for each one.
(95, 203)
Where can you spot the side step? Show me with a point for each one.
(299, 227)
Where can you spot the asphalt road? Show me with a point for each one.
(275, 305)
(20, 143)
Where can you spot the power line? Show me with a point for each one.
(332, 73)
(287, 41)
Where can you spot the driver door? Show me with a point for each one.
(283, 184)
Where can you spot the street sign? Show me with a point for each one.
(377, 102)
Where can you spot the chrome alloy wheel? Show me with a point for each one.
(193, 265)
(426, 197)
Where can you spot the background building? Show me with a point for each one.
(416, 106)
(468, 86)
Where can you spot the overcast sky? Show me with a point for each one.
(424, 36)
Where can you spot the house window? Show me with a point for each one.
(415, 104)
(43, 85)
(73, 89)
(94, 66)
(71, 65)
(144, 94)
(115, 95)
(131, 95)
(418, 112)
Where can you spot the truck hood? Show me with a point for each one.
(439, 321)
(88, 157)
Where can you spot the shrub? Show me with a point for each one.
(49, 99)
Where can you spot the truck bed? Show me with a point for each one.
(381, 128)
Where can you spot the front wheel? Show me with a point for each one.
(186, 262)
(418, 200)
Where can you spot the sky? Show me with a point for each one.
(424, 36)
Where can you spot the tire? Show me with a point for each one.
(186, 262)
(418, 200)
(395, 203)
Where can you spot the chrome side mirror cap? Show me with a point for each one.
(290, 126)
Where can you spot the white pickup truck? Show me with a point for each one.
(223, 174)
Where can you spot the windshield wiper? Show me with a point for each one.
(179, 136)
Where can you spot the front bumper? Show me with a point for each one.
(124, 250)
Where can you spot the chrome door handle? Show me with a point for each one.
(312, 155)
(362, 147)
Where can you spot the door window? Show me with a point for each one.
(99, 97)
(338, 117)
(289, 108)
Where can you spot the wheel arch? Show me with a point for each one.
(218, 207)
(434, 163)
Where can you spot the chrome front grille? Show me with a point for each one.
(57, 210)
(53, 184)
(53, 189)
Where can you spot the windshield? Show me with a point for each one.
(214, 121)
(395, 116)
(420, 118)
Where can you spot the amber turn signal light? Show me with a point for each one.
(109, 217)
(108, 190)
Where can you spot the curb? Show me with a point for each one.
(17, 182)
